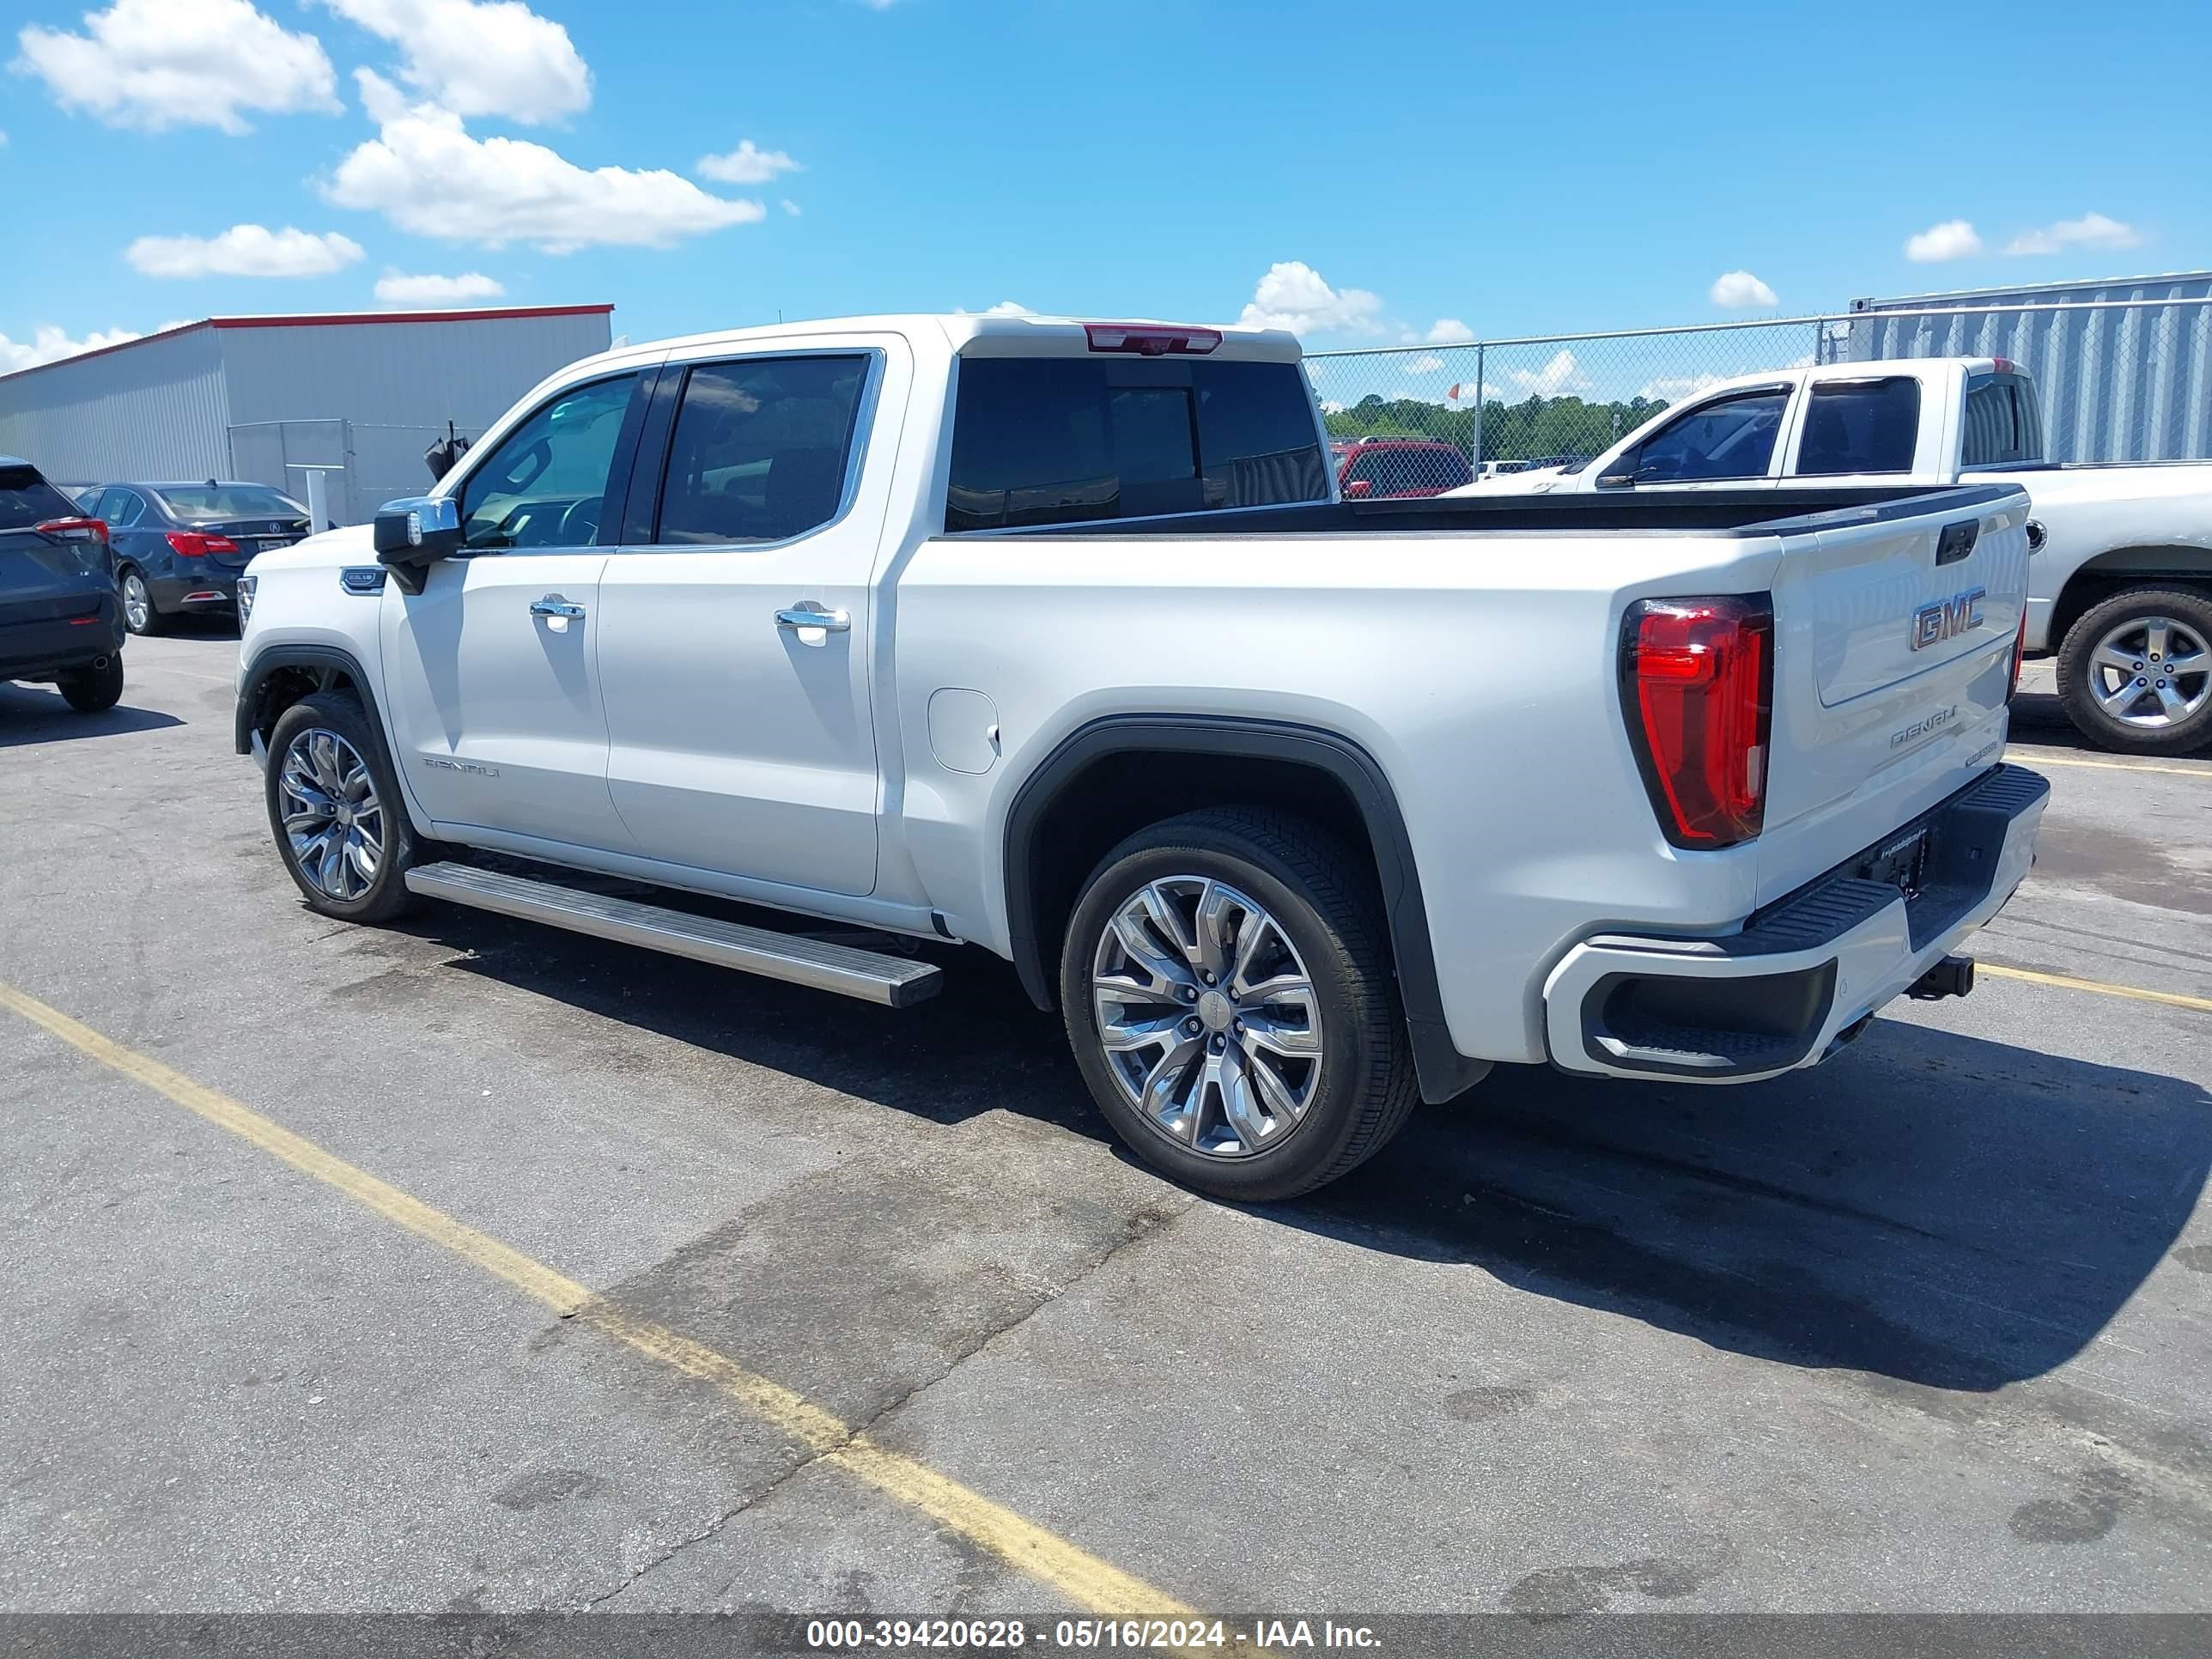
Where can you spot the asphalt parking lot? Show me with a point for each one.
(1927, 1329)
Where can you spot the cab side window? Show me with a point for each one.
(1728, 438)
(2003, 427)
(760, 449)
(1860, 426)
(545, 485)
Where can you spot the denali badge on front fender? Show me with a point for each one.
(440, 764)
(1934, 623)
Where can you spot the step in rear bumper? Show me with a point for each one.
(1802, 976)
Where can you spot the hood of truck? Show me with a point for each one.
(353, 543)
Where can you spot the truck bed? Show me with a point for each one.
(1789, 509)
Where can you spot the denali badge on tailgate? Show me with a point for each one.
(1934, 623)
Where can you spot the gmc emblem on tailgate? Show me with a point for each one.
(1934, 623)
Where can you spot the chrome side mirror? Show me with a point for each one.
(413, 534)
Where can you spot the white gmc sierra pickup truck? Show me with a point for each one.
(2120, 589)
(1049, 636)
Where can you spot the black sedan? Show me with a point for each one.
(180, 547)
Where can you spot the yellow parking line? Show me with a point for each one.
(1093, 1583)
(2067, 983)
(2117, 766)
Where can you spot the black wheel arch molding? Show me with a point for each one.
(328, 664)
(1445, 1072)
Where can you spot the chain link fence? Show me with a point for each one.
(361, 464)
(2121, 381)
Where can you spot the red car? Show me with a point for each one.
(1368, 468)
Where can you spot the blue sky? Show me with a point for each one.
(1397, 168)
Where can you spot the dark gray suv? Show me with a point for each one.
(59, 618)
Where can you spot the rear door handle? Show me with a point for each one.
(553, 605)
(830, 622)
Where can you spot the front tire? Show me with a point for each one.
(335, 808)
(92, 690)
(2135, 673)
(1227, 985)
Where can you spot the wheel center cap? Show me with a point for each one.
(1214, 1009)
(345, 817)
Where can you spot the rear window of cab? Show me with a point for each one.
(1043, 441)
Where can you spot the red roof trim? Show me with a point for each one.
(330, 319)
(340, 317)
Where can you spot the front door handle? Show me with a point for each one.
(553, 605)
(830, 622)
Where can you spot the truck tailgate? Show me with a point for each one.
(1894, 630)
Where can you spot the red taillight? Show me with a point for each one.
(1151, 342)
(197, 544)
(1697, 680)
(74, 529)
(2019, 655)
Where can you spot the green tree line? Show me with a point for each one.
(1511, 432)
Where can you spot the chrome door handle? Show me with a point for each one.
(551, 605)
(830, 622)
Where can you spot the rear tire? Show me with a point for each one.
(2115, 678)
(92, 690)
(139, 615)
(1226, 985)
(335, 810)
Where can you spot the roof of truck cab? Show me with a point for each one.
(1012, 335)
(1872, 369)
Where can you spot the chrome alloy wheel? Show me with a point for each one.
(2150, 672)
(332, 817)
(1210, 1021)
(137, 603)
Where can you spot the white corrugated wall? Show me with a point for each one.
(153, 408)
(2119, 383)
(373, 395)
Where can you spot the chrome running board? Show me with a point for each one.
(893, 981)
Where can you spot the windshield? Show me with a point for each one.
(204, 503)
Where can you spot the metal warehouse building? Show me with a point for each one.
(268, 398)
(2124, 364)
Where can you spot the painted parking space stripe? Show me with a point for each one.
(2067, 982)
(2115, 766)
(1093, 1583)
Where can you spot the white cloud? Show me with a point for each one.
(790, 207)
(1673, 389)
(745, 165)
(1448, 330)
(1427, 363)
(1954, 239)
(244, 251)
(396, 288)
(1558, 377)
(50, 345)
(1003, 309)
(1330, 406)
(1292, 296)
(160, 64)
(426, 175)
(480, 57)
(2090, 230)
(1738, 290)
